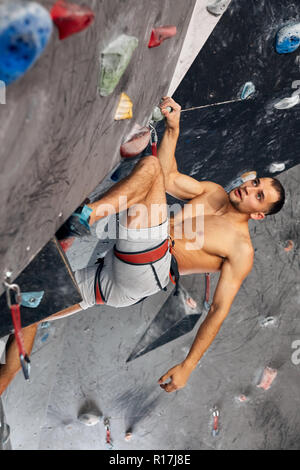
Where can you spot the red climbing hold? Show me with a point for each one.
(158, 35)
(70, 18)
(136, 142)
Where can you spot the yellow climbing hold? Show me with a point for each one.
(124, 110)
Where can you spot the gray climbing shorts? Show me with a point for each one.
(124, 284)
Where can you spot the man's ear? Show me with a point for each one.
(257, 216)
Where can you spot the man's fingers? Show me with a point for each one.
(164, 378)
(169, 387)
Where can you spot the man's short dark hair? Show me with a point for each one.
(277, 206)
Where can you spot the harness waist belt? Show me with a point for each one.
(146, 257)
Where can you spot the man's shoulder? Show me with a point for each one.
(241, 251)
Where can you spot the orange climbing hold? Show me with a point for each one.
(70, 18)
(289, 245)
(124, 110)
(136, 142)
(158, 35)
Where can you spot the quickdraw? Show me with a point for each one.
(153, 139)
(16, 318)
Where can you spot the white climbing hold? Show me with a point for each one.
(218, 7)
(275, 167)
(287, 103)
(89, 419)
(247, 91)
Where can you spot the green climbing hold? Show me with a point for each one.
(114, 61)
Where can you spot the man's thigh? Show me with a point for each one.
(152, 211)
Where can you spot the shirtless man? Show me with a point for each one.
(223, 244)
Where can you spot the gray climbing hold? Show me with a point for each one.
(218, 7)
(288, 38)
(157, 115)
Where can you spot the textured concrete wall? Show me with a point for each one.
(58, 136)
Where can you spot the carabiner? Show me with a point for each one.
(16, 289)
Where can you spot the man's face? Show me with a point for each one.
(254, 197)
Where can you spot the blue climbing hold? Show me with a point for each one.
(25, 29)
(288, 39)
(31, 299)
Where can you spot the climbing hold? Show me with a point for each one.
(247, 90)
(289, 246)
(25, 29)
(31, 299)
(267, 378)
(275, 167)
(114, 61)
(136, 142)
(288, 38)
(268, 322)
(241, 399)
(191, 303)
(89, 419)
(157, 115)
(128, 436)
(158, 35)
(218, 7)
(287, 103)
(70, 18)
(124, 109)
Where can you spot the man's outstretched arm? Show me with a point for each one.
(232, 275)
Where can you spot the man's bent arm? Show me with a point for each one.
(232, 275)
(177, 184)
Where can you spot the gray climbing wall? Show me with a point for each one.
(58, 136)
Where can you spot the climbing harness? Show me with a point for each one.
(16, 318)
(150, 256)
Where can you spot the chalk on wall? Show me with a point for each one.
(71, 18)
(25, 30)
(114, 61)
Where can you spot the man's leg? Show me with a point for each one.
(143, 187)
